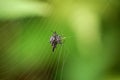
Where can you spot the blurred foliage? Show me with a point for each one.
(90, 50)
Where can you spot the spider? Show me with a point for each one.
(54, 40)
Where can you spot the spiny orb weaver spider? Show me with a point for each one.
(54, 40)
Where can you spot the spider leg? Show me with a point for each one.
(53, 49)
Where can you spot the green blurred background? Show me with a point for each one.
(90, 50)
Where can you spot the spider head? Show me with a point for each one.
(54, 33)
